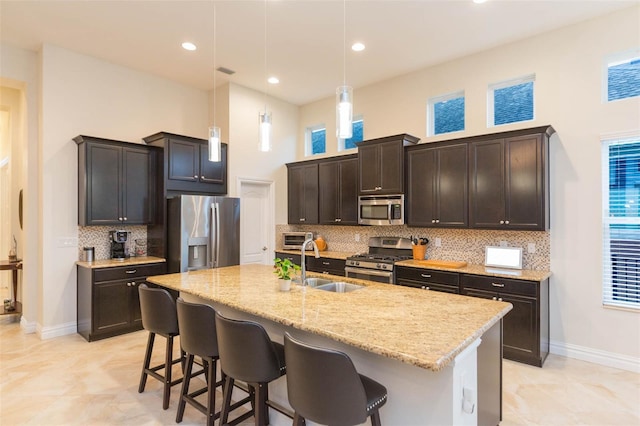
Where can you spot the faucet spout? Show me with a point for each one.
(303, 267)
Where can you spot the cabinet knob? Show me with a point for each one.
(377, 188)
(195, 176)
(506, 222)
(120, 219)
(128, 284)
(423, 287)
(437, 220)
(125, 218)
(494, 298)
(427, 288)
(339, 220)
(433, 221)
(500, 299)
(302, 219)
(502, 222)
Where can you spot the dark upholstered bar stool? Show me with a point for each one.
(197, 324)
(248, 354)
(323, 386)
(159, 317)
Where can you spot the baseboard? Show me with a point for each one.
(609, 359)
(28, 327)
(56, 331)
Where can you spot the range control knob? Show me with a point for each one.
(357, 263)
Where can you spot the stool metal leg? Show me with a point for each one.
(147, 362)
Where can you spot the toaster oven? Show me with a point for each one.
(294, 240)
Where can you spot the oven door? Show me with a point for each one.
(369, 274)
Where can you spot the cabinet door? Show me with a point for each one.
(111, 306)
(136, 314)
(391, 167)
(520, 328)
(524, 182)
(329, 192)
(348, 203)
(369, 168)
(210, 171)
(451, 187)
(487, 184)
(184, 160)
(103, 197)
(303, 194)
(138, 194)
(421, 184)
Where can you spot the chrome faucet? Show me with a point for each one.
(303, 267)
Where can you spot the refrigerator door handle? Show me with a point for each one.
(215, 234)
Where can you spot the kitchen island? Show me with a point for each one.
(439, 355)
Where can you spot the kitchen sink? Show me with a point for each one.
(339, 287)
(315, 282)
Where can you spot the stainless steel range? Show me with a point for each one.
(378, 263)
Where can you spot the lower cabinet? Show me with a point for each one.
(526, 326)
(428, 279)
(295, 258)
(108, 301)
(326, 265)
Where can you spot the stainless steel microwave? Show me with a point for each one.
(381, 209)
(294, 240)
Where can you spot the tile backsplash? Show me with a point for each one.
(456, 244)
(98, 237)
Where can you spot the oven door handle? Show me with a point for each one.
(348, 269)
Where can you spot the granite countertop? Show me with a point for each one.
(112, 263)
(422, 328)
(524, 274)
(328, 253)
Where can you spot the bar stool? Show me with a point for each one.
(197, 324)
(159, 316)
(248, 354)
(323, 386)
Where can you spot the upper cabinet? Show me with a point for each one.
(116, 182)
(437, 185)
(187, 166)
(338, 191)
(302, 194)
(381, 164)
(509, 180)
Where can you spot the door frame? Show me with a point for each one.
(270, 185)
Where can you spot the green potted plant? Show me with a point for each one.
(283, 269)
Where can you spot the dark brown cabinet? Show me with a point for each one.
(302, 194)
(187, 166)
(295, 258)
(108, 302)
(508, 180)
(428, 279)
(381, 164)
(325, 265)
(437, 194)
(338, 191)
(116, 182)
(526, 326)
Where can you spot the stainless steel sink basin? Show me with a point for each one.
(339, 287)
(315, 282)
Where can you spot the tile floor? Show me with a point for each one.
(67, 381)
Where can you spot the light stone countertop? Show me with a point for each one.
(422, 328)
(111, 263)
(328, 253)
(524, 274)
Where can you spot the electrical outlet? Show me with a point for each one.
(357, 238)
(503, 243)
(438, 242)
(67, 242)
(531, 247)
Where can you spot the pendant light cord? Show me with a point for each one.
(265, 56)
(214, 63)
(344, 42)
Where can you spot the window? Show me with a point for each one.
(316, 140)
(511, 101)
(622, 76)
(357, 136)
(445, 114)
(621, 222)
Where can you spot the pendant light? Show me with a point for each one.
(215, 133)
(265, 117)
(344, 93)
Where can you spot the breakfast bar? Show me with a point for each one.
(439, 355)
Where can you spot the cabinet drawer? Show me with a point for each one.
(323, 264)
(500, 285)
(428, 275)
(295, 258)
(446, 288)
(124, 272)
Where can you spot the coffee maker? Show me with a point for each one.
(118, 241)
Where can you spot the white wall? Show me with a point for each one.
(568, 67)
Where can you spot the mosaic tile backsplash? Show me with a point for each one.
(98, 237)
(456, 244)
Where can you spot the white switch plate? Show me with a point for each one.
(438, 242)
(66, 242)
(531, 247)
(503, 243)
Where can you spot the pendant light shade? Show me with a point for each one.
(214, 144)
(344, 112)
(265, 131)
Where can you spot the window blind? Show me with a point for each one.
(621, 222)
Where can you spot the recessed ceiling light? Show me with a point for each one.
(479, 1)
(187, 45)
(273, 80)
(357, 47)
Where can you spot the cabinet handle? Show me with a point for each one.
(131, 271)
(425, 275)
(326, 263)
(377, 188)
(497, 284)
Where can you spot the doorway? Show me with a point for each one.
(257, 226)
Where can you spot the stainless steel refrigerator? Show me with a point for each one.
(203, 232)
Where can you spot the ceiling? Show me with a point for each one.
(304, 38)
